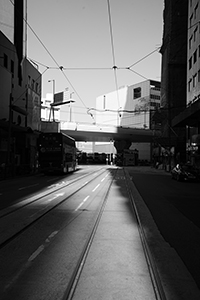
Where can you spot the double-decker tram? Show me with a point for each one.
(56, 152)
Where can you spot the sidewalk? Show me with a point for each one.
(116, 267)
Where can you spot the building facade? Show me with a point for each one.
(131, 106)
(20, 101)
(189, 118)
(173, 79)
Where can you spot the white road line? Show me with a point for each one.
(103, 179)
(36, 253)
(28, 186)
(82, 203)
(31, 258)
(96, 187)
(41, 247)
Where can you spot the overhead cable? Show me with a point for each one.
(59, 67)
(113, 52)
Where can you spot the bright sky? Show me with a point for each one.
(77, 35)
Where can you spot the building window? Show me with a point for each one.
(12, 67)
(36, 88)
(195, 56)
(29, 80)
(156, 97)
(195, 33)
(190, 42)
(199, 76)
(194, 80)
(190, 63)
(137, 93)
(195, 10)
(33, 84)
(189, 85)
(191, 20)
(5, 61)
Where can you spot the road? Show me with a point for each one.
(175, 208)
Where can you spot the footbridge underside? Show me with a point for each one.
(97, 133)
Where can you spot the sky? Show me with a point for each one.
(87, 38)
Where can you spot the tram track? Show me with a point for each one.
(14, 212)
(155, 279)
(29, 200)
(78, 266)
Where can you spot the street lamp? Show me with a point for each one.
(53, 81)
(70, 107)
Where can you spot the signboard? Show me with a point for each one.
(61, 98)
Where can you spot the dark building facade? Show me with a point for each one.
(20, 102)
(173, 79)
(189, 118)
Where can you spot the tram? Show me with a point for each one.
(56, 153)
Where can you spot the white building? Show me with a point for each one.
(130, 106)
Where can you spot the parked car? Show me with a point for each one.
(185, 172)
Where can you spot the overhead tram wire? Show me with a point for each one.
(59, 67)
(113, 52)
(156, 50)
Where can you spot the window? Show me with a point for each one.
(191, 20)
(190, 42)
(195, 11)
(189, 85)
(29, 80)
(33, 84)
(36, 88)
(199, 76)
(194, 80)
(12, 67)
(5, 61)
(137, 93)
(195, 56)
(190, 63)
(195, 33)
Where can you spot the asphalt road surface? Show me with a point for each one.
(175, 208)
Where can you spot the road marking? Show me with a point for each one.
(26, 187)
(31, 258)
(36, 253)
(82, 203)
(54, 197)
(41, 247)
(96, 187)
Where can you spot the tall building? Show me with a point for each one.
(20, 95)
(189, 118)
(173, 78)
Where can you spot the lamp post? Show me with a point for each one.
(53, 81)
(70, 107)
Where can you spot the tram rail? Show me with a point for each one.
(76, 272)
(155, 279)
(7, 217)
